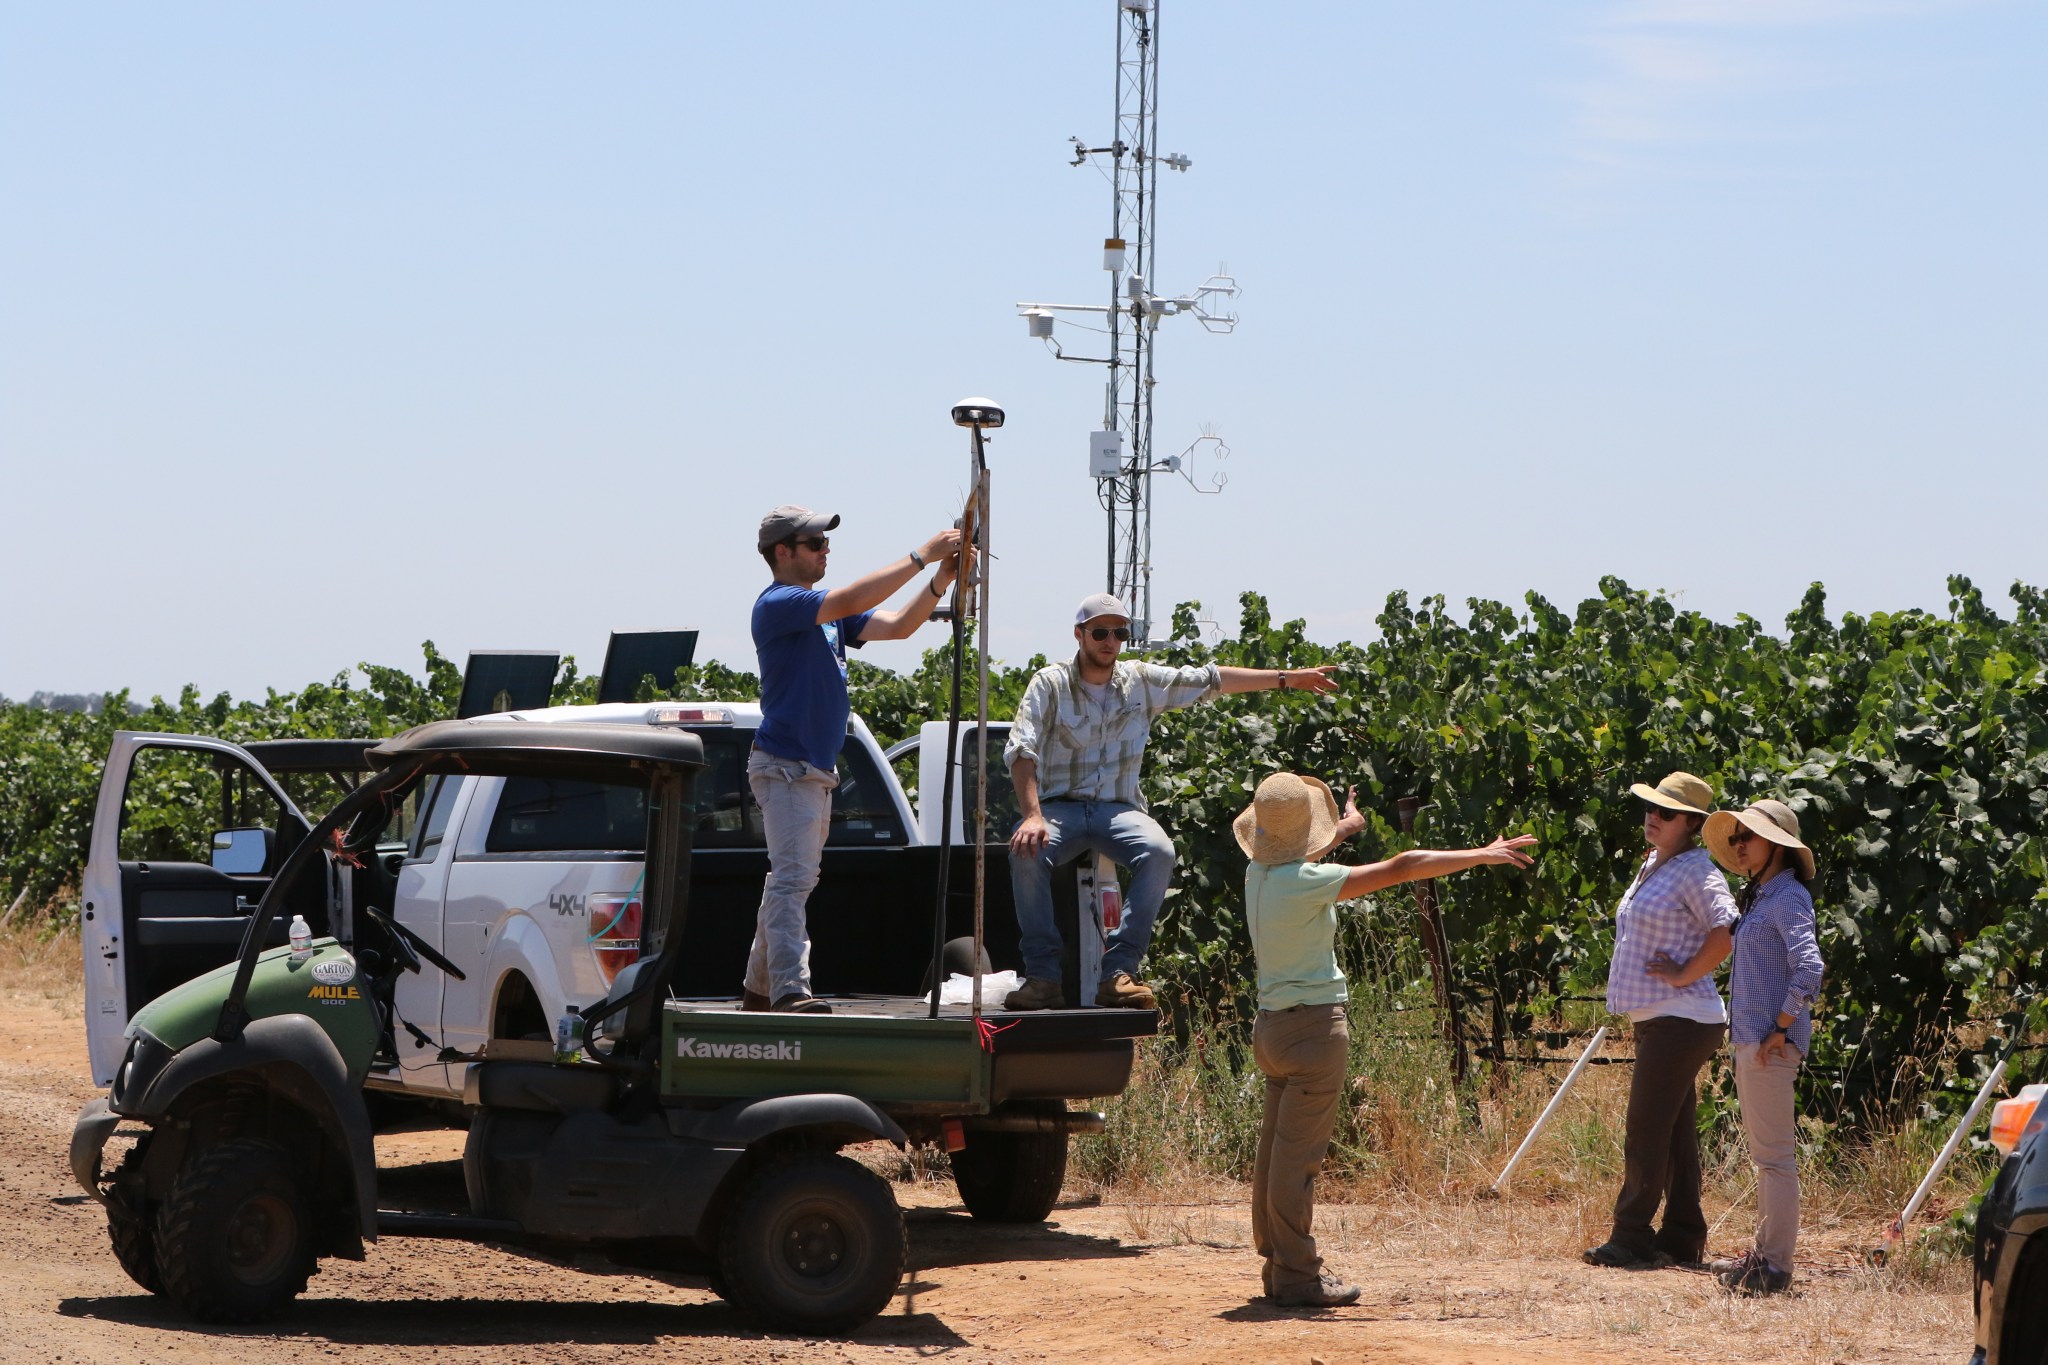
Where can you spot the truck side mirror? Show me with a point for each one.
(241, 852)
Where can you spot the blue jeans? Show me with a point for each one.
(1134, 839)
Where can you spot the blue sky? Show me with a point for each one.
(328, 329)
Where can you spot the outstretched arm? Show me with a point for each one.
(899, 623)
(871, 590)
(1350, 824)
(1420, 864)
(1284, 679)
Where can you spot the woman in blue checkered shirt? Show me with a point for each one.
(1771, 990)
(1671, 931)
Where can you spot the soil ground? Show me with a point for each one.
(1112, 1280)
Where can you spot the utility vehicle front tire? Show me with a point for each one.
(1013, 1177)
(234, 1238)
(814, 1243)
(129, 1225)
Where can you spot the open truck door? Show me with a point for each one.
(187, 834)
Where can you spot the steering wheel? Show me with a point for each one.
(410, 947)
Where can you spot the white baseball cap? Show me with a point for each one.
(1099, 604)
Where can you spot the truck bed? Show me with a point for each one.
(889, 1050)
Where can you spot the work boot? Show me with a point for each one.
(799, 1003)
(1120, 992)
(753, 1001)
(1036, 994)
(1619, 1257)
(1756, 1278)
(1327, 1292)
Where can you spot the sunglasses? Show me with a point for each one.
(1104, 632)
(1740, 836)
(815, 544)
(1662, 813)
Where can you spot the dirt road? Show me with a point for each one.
(1109, 1283)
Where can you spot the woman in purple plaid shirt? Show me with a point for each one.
(1671, 931)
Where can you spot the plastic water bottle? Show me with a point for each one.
(302, 938)
(569, 1036)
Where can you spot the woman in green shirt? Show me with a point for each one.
(1300, 1039)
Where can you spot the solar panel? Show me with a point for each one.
(507, 680)
(634, 654)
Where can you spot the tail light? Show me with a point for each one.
(614, 933)
(2011, 1118)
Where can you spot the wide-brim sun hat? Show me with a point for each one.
(1678, 791)
(1770, 820)
(1290, 817)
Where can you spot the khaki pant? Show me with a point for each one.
(1303, 1053)
(1764, 1086)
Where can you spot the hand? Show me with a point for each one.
(1662, 967)
(1351, 807)
(941, 546)
(1774, 1045)
(950, 569)
(1032, 832)
(1508, 850)
(1312, 679)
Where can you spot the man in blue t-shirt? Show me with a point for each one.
(801, 635)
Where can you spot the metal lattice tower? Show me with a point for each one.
(1120, 454)
(1134, 179)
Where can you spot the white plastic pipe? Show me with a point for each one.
(1549, 1110)
(1897, 1230)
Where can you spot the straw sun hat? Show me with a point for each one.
(1767, 819)
(1678, 791)
(1289, 818)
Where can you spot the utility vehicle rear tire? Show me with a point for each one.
(128, 1223)
(1013, 1177)
(234, 1237)
(814, 1243)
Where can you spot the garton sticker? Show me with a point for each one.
(335, 971)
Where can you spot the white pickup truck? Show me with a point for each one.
(530, 886)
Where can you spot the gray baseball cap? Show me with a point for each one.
(790, 520)
(1099, 604)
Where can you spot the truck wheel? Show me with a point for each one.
(1013, 1177)
(814, 1243)
(235, 1235)
(128, 1223)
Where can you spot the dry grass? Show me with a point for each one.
(1411, 1167)
(42, 963)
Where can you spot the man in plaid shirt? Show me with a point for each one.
(1074, 754)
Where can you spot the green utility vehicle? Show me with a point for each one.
(684, 1136)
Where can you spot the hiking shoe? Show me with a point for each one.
(1756, 1278)
(1692, 1258)
(1036, 994)
(1327, 1292)
(753, 1002)
(799, 1003)
(1120, 992)
(1734, 1265)
(1618, 1257)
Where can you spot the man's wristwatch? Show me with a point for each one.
(1283, 680)
(917, 559)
